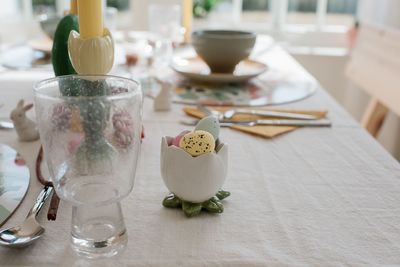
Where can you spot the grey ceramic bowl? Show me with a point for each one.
(222, 50)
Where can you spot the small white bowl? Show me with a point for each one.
(193, 179)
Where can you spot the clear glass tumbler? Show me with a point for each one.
(165, 20)
(90, 128)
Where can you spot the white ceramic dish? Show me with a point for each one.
(14, 181)
(193, 179)
(196, 69)
(24, 57)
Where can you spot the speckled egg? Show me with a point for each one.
(209, 124)
(197, 143)
(177, 139)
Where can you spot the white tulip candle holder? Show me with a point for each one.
(194, 182)
(93, 56)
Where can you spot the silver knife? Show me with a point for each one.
(228, 114)
(276, 114)
(297, 123)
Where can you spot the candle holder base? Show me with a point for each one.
(213, 205)
(98, 231)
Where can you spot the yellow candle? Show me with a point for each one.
(90, 18)
(187, 16)
(73, 7)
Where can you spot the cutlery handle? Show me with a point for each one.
(40, 200)
(299, 123)
(276, 114)
(6, 125)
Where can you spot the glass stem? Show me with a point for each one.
(98, 231)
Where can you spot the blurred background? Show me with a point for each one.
(320, 34)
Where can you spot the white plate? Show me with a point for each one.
(196, 69)
(24, 57)
(14, 181)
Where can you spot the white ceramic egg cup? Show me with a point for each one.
(194, 182)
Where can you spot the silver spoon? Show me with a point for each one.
(267, 113)
(30, 229)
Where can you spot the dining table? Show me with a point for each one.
(311, 197)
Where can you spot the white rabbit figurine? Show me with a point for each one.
(26, 128)
(162, 102)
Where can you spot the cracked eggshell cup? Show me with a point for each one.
(193, 179)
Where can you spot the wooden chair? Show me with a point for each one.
(375, 67)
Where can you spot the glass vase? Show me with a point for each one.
(90, 128)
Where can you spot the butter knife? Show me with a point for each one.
(276, 114)
(228, 114)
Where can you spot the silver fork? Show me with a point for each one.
(227, 115)
(298, 123)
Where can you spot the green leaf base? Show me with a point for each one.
(190, 209)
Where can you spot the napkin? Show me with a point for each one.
(260, 130)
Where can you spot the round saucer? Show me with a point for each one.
(196, 69)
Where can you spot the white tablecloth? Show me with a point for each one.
(313, 197)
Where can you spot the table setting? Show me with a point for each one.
(219, 152)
